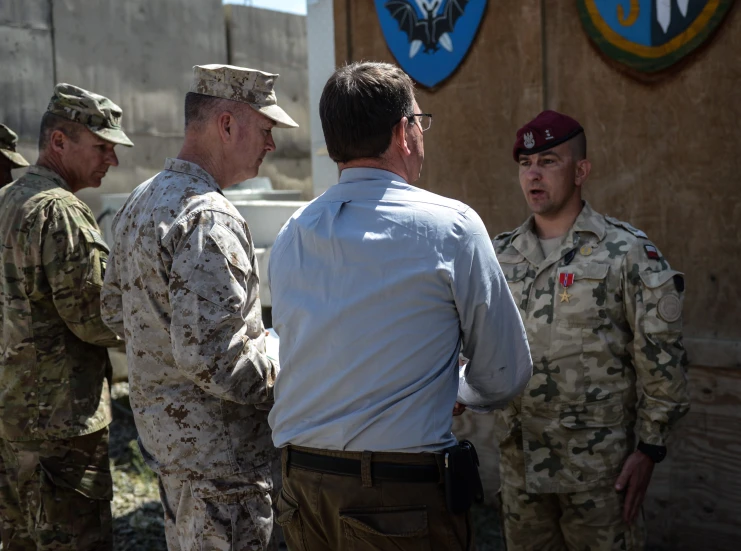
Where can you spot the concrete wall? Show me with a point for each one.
(276, 42)
(665, 157)
(27, 78)
(140, 54)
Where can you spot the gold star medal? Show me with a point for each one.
(566, 280)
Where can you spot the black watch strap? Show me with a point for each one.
(655, 453)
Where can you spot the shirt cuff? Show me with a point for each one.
(472, 399)
(651, 433)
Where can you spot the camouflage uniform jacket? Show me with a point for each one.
(182, 285)
(617, 331)
(53, 360)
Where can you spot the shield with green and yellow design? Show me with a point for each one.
(650, 35)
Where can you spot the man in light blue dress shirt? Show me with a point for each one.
(377, 286)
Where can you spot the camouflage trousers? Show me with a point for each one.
(226, 514)
(590, 520)
(55, 495)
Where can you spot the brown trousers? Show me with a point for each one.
(322, 512)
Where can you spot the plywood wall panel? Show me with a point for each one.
(477, 111)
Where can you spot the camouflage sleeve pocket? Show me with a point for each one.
(222, 271)
(662, 299)
(95, 258)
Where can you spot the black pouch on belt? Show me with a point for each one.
(462, 482)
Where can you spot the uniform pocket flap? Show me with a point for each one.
(232, 487)
(400, 522)
(92, 237)
(602, 413)
(230, 247)
(514, 272)
(587, 271)
(89, 481)
(510, 258)
(652, 280)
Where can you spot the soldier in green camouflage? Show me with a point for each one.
(603, 314)
(55, 480)
(9, 157)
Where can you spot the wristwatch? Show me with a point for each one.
(655, 453)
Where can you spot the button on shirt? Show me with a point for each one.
(376, 287)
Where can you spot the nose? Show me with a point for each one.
(112, 158)
(532, 174)
(269, 143)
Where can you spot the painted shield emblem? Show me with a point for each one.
(429, 38)
(650, 35)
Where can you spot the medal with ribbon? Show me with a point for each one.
(566, 280)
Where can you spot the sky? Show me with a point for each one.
(290, 6)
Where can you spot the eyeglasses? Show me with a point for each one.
(425, 120)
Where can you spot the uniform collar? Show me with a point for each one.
(591, 222)
(526, 241)
(191, 169)
(49, 175)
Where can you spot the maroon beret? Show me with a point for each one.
(545, 131)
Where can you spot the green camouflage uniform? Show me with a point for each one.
(55, 480)
(54, 362)
(607, 371)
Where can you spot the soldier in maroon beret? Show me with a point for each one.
(603, 313)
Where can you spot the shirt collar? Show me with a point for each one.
(366, 173)
(49, 175)
(191, 169)
(526, 242)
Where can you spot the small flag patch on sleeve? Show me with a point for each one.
(651, 252)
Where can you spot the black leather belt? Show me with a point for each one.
(343, 466)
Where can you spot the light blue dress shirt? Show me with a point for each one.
(376, 287)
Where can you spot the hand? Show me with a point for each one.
(458, 408)
(634, 478)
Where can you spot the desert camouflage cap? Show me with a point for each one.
(241, 84)
(99, 114)
(8, 141)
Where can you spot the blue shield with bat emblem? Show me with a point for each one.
(430, 38)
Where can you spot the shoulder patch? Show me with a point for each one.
(627, 227)
(669, 308)
(652, 252)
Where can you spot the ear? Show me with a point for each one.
(227, 126)
(400, 134)
(58, 141)
(583, 168)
